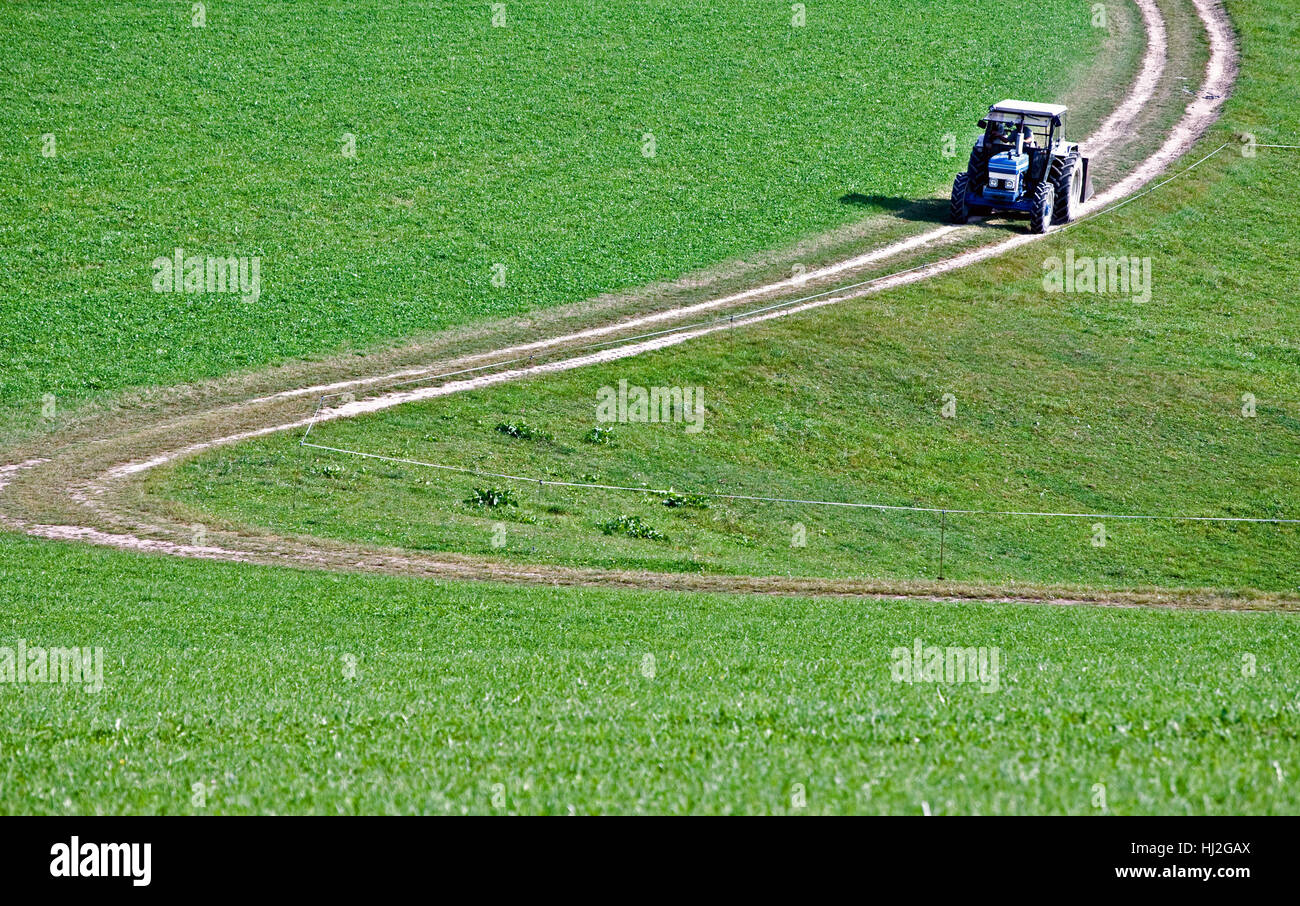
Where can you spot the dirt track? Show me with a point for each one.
(85, 485)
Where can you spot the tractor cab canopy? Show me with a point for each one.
(1044, 123)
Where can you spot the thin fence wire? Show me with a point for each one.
(951, 511)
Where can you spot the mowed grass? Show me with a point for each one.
(523, 146)
(283, 691)
(1064, 403)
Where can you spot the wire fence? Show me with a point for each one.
(541, 481)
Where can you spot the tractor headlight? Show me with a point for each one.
(994, 182)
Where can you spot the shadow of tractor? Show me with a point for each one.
(926, 210)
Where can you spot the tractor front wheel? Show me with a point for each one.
(977, 174)
(959, 209)
(1040, 218)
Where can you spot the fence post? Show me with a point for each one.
(943, 525)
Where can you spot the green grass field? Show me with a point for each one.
(237, 679)
(256, 689)
(476, 145)
(1077, 403)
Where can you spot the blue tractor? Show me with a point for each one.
(1023, 163)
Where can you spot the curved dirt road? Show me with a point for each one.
(92, 488)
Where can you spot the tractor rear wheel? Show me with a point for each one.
(1040, 217)
(1067, 180)
(958, 207)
